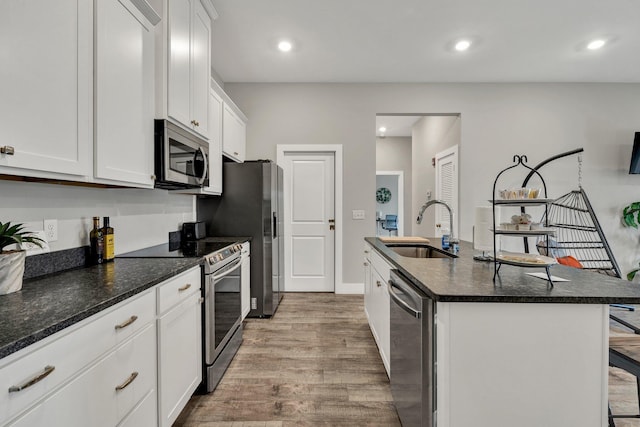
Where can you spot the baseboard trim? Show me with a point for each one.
(350, 289)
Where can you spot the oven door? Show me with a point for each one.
(222, 308)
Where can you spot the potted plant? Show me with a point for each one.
(12, 261)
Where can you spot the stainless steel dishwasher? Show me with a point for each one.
(412, 352)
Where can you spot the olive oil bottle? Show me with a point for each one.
(96, 240)
(109, 248)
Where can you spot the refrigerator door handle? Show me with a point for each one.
(275, 225)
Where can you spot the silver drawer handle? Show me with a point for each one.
(127, 381)
(8, 150)
(184, 288)
(127, 322)
(37, 378)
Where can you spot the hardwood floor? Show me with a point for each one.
(315, 363)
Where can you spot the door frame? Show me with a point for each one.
(336, 150)
(400, 196)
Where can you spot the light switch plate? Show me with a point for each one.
(357, 214)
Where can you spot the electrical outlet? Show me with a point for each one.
(51, 229)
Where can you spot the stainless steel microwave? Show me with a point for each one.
(181, 158)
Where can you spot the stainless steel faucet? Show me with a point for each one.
(434, 202)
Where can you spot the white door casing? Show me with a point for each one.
(312, 197)
(447, 188)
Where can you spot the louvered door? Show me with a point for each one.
(447, 187)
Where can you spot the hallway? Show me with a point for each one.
(314, 363)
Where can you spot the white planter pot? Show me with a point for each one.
(11, 271)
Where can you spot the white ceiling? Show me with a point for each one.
(396, 125)
(411, 40)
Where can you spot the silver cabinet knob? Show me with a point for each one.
(8, 150)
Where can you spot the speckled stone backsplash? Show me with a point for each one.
(52, 262)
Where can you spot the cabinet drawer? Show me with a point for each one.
(91, 398)
(380, 265)
(67, 352)
(178, 289)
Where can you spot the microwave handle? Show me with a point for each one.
(206, 166)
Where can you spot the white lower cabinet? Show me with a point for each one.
(179, 347)
(105, 392)
(245, 279)
(376, 300)
(134, 364)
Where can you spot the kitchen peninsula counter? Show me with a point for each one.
(463, 279)
(48, 304)
(517, 352)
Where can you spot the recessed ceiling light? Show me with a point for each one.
(382, 129)
(285, 46)
(596, 44)
(462, 45)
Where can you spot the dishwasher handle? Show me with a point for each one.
(403, 305)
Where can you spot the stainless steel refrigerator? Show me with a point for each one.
(250, 206)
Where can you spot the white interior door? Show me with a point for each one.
(447, 187)
(309, 215)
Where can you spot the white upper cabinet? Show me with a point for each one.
(187, 49)
(46, 80)
(234, 136)
(124, 91)
(216, 105)
(214, 188)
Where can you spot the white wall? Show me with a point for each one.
(497, 121)
(140, 218)
(430, 135)
(394, 154)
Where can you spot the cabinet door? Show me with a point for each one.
(245, 281)
(124, 93)
(46, 85)
(234, 135)
(215, 143)
(200, 68)
(179, 60)
(179, 358)
(368, 298)
(382, 317)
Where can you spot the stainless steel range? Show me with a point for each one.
(222, 315)
(221, 309)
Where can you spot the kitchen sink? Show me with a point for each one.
(420, 251)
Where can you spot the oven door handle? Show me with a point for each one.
(235, 267)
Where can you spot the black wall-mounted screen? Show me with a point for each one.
(635, 156)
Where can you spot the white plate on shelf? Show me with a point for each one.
(526, 260)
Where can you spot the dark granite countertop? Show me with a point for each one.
(465, 280)
(48, 304)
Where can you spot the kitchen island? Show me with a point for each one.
(516, 352)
